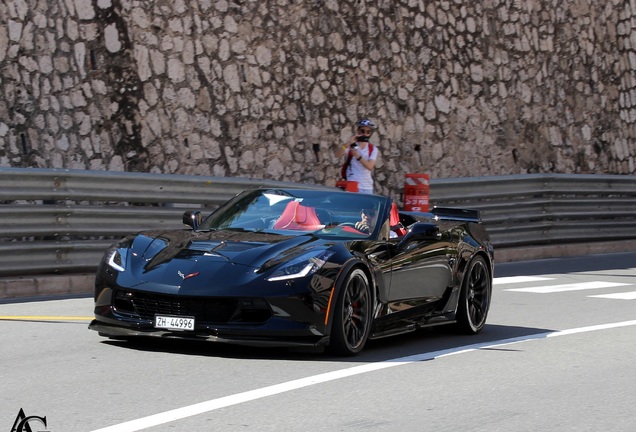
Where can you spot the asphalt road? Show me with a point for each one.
(557, 355)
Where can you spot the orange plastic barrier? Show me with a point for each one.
(350, 186)
(416, 192)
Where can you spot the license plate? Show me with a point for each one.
(174, 322)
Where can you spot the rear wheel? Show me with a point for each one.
(352, 315)
(474, 299)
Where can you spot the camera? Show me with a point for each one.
(354, 145)
(363, 138)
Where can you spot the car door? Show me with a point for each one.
(421, 270)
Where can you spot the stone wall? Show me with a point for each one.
(251, 87)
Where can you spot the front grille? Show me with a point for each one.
(211, 310)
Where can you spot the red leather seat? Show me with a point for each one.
(298, 217)
(394, 221)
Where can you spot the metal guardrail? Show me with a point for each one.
(542, 209)
(61, 221)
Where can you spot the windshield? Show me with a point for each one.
(295, 212)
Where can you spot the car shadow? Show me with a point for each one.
(419, 343)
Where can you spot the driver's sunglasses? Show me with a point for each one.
(368, 213)
(365, 131)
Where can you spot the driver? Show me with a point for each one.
(367, 221)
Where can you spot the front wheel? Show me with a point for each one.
(352, 315)
(474, 299)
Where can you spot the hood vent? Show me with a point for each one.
(196, 249)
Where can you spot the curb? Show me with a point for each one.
(531, 253)
(47, 285)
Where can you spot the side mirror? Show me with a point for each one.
(422, 231)
(192, 218)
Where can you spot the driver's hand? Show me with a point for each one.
(362, 226)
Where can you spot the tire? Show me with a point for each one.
(352, 315)
(475, 296)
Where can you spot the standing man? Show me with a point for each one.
(361, 156)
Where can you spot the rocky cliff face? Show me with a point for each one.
(251, 88)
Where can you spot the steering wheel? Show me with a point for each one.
(347, 224)
(353, 225)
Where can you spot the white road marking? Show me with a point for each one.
(215, 404)
(548, 289)
(518, 279)
(618, 296)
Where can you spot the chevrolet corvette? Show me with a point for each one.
(298, 268)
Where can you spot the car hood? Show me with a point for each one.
(172, 257)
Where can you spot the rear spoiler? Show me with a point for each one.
(447, 213)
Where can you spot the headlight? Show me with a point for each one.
(301, 266)
(117, 259)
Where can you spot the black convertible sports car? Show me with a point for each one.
(298, 267)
